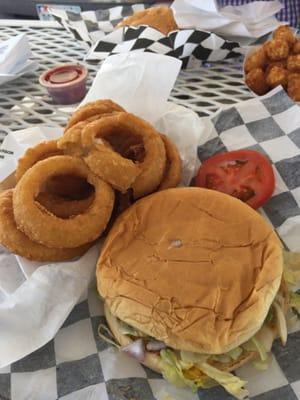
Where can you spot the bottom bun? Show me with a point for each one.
(153, 360)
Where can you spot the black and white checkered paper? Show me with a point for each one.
(96, 30)
(270, 125)
(78, 365)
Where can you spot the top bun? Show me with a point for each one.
(192, 267)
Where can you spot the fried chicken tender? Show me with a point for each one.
(255, 79)
(285, 33)
(294, 86)
(296, 47)
(277, 76)
(160, 18)
(276, 49)
(293, 63)
(256, 60)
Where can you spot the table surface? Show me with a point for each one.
(24, 103)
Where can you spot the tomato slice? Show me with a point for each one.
(244, 174)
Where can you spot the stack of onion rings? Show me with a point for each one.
(64, 198)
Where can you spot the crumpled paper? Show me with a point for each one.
(242, 23)
(31, 315)
(15, 58)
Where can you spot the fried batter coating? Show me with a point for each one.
(294, 86)
(296, 47)
(255, 79)
(95, 108)
(276, 49)
(256, 60)
(281, 64)
(18, 243)
(285, 33)
(293, 63)
(160, 18)
(277, 76)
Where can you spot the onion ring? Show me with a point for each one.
(70, 142)
(72, 187)
(61, 207)
(18, 243)
(93, 108)
(121, 131)
(32, 218)
(34, 154)
(114, 169)
(173, 169)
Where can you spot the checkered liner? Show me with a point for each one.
(270, 125)
(96, 29)
(77, 364)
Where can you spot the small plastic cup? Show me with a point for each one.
(66, 83)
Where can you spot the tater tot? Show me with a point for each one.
(276, 49)
(293, 63)
(296, 47)
(272, 64)
(294, 86)
(255, 79)
(277, 76)
(285, 33)
(256, 60)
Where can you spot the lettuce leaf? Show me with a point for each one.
(126, 329)
(234, 354)
(261, 365)
(280, 322)
(291, 267)
(260, 348)
(230, 382)
(199, 375)
(294, 301)
(183, 373)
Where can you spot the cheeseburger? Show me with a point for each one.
(193, 286)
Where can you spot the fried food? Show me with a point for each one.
(160, 18)
(256, 60)
(173, 170)
(18, 243)
(95, 108)
(271, 65)
(294, 86)
(276, 49)
(62, 207)
(122, 131)
(70, 142)
(34, 154)
(42, 226)
(277, 76)
(255, 79)
(284, 33)
(114, 169)
(293, 63)
(281, 64)
(296, 47)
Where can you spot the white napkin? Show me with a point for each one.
(242, 23)
(14, 58)
(141, 83)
